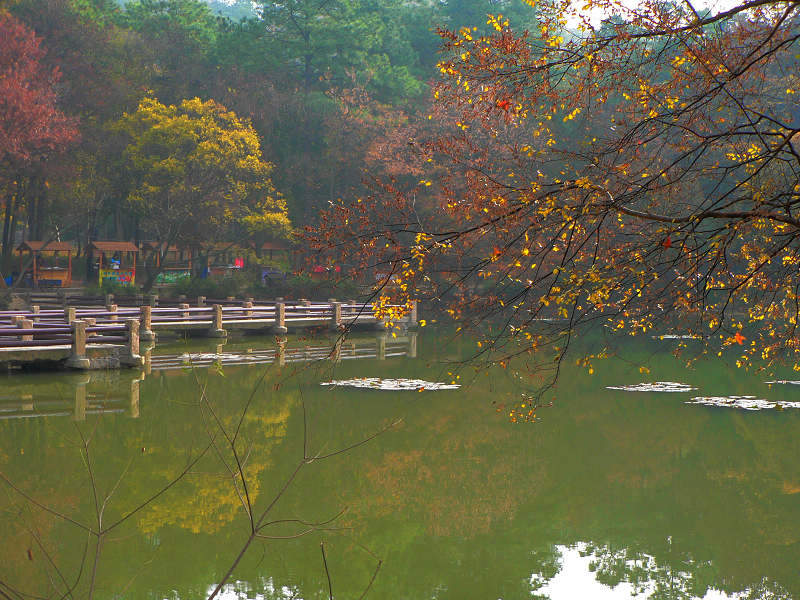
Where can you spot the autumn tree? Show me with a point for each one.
(642, 175)
(32, 125)
(195, 173)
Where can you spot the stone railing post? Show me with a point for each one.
(78, 358)
(109, 299)
(90, 322)
(25, 324)
(336, 318)
(216, 329)
(248, 308)
(35, 311)
(69, 314)
(280, 318)
(380, 343)
(112, 308)
(412, 344)
(201, 301)
(412, 315)
(305, 302)
(185, 313)
(146, 333)
(131, 357)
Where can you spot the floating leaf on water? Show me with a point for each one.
(376, 383)
(656, 386)
(783, 382)
(742, 402)
(677, 336)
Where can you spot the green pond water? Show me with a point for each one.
(610, 494)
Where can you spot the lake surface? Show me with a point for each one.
(609, 494)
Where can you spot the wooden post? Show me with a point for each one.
(130, 357)
(69, 314)
(35, 311)
(216, 325)
(78, 359)
(280, 318)
(146, 333)
(25, 324)
(336, 319)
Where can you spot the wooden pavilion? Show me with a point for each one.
(116, 262)
(48, 267)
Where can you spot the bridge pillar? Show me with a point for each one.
(78, 359)
(380, 343)
(216, 324)
(25, 324)
(146, 333)
(412, 344)
(280, 319)
(130, 356)
(336, 319)
(412, 315)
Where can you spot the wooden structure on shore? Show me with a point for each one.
(42, 273)
(108, 337)
(116, 262)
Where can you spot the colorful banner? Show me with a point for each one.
(173, 276)
(118, 276)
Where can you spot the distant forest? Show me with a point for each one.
(107, 146)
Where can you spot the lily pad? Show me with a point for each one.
(655, 386)
(376, 383)
(742, 402)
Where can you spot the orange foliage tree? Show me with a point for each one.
(642, 174)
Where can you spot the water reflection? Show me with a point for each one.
(77, 395)
(611, 495)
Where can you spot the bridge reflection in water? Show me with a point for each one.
(77, 395)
